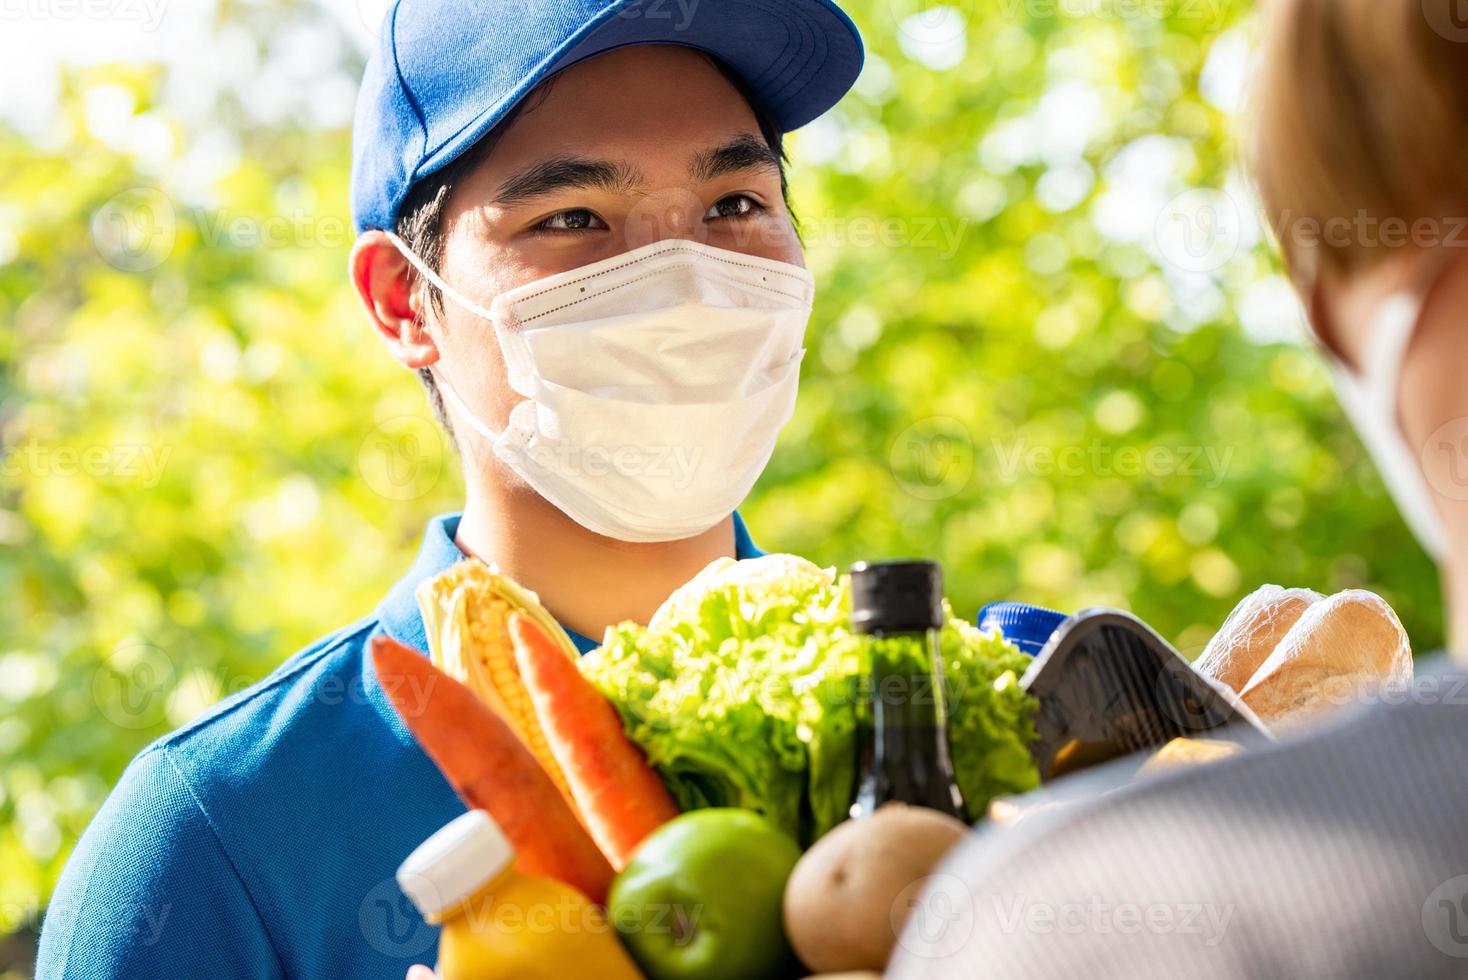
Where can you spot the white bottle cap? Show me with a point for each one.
(449, 867)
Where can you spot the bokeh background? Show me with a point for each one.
(1052, 348)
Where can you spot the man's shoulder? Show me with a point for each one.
(326, 674)
(289, 804)
(289, 753)
(117, 909)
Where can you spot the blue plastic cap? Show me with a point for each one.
(445, 72)
(1027, 627)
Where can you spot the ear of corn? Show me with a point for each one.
(466, 613)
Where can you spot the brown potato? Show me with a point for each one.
(1341, 645)
(839, 901)
(1251, 632)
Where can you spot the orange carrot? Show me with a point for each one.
(491, 769)
(621, 797)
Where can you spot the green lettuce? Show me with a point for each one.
(744, 690)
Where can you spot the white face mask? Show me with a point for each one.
(1371, 404)
(655, 383)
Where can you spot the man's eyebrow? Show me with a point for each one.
(743, 153)
(568, 173)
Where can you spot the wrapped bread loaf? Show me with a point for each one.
(1250, 634)
(1337, 649)
(1184, 752)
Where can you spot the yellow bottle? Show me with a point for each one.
(499, 923)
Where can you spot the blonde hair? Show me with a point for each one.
(1361, 110)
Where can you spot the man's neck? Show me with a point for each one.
(587, 581)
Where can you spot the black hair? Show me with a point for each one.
(420, 218)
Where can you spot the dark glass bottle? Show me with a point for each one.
(902, 740)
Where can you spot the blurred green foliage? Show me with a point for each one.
(208, 460)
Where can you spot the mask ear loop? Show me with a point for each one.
(512, 346)
(1388, 353)
(1400, 321)
(445, 388)
(437, 280)
(452, 397)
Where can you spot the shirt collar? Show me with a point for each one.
(399, 613)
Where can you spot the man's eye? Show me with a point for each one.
(733, 206)
(577, 219)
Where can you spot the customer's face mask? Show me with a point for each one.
(1370, 400)
(655, 383)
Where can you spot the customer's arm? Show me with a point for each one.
(1343, 854)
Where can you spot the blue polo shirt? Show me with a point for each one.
(261, 839)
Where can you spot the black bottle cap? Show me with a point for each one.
(896, 596)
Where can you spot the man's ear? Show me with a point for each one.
(384, 282)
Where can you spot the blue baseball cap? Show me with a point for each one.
(446, 71)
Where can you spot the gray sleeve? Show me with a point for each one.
(1341, 854)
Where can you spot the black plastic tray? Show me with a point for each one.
(1109, 686)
